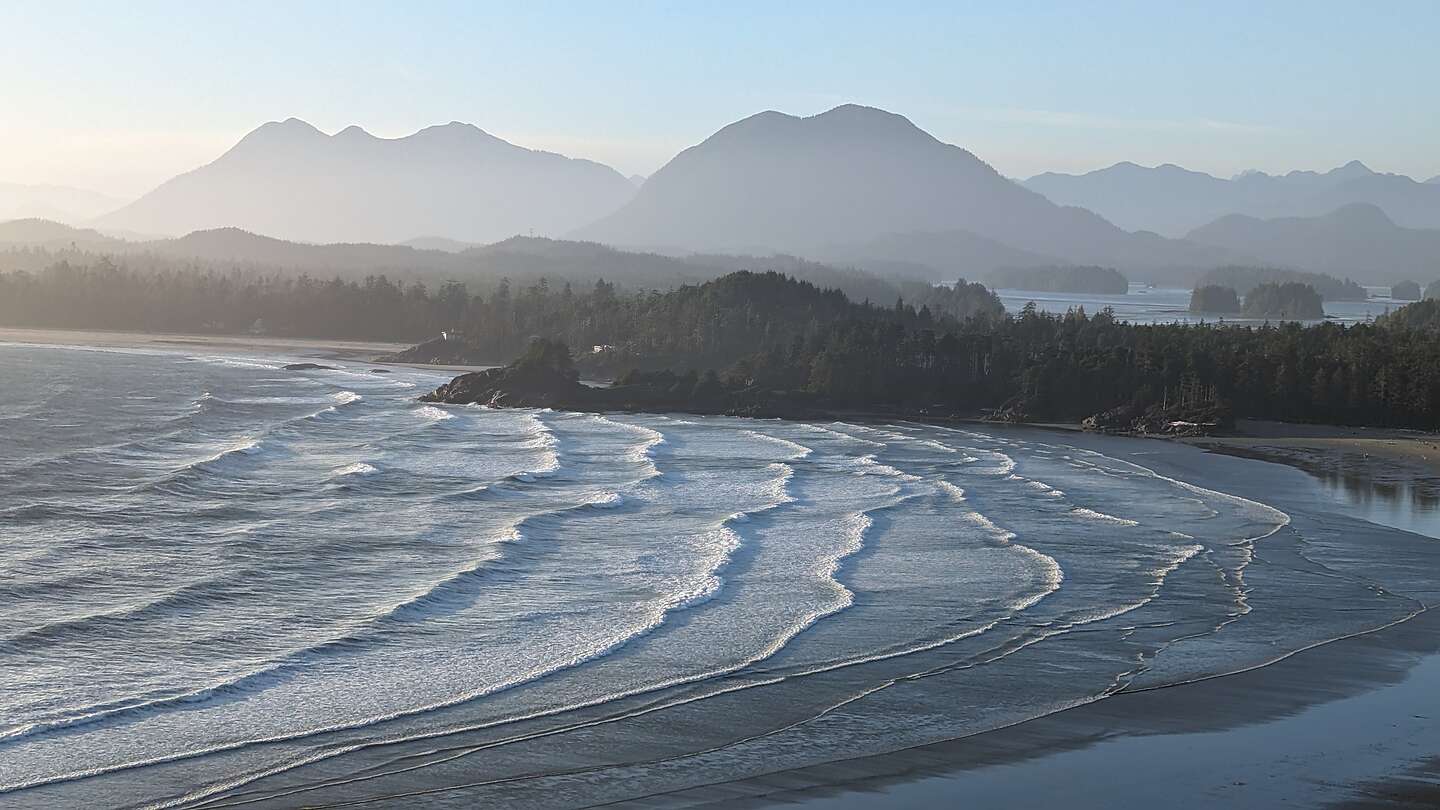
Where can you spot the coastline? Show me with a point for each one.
(1382, 455)
(1096, 746)
(1214, 742)
(1348, 723)
(355, 351)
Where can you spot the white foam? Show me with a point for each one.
(955, 493)
(433, 413)
(797, 450)
(1091, 514)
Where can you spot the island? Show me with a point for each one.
(1405, 291)
(1290, 301)
(1214, 299)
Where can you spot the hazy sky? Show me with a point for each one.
(117, 97)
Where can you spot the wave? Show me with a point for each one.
(432, 413)
(539, 436)
(838, 434)
(955, 493)
(358, 468)
(644, 451)
(797, 450)
(419, 606)
(869, 466)
(426, 603)
(203, 591)
(235, 362)
(1052, 575)
(1091, 514)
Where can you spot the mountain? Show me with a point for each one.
(523, 260)
(292, 181)
(1171, 200)
(1356, 241)
(851, 175)
(58, 203)
(44, 233)
(438, 243)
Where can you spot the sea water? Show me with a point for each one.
(228, 583)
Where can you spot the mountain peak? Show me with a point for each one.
(819, 185)
(276, 135)
(869, 121)
(1360, 213)
(289, 180)
(354, 131)
(1352, 169)
(290, 126)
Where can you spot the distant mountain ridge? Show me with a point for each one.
(58, 203)
(1172, 200)
(1356, 241)
(289, 180)
(854, 175)
(521, 259)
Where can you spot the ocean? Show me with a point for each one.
(1147, 304)
(226, 583)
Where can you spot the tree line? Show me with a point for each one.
(951, 349)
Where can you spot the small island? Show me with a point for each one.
(1288, 301)
(1405, 291)
(1077, 279)
(1243, 279)
(1213, 299)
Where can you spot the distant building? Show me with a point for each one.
(452, 334)
(601, 347)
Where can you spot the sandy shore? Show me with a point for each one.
(1354, 720)
(1379, 454)
(1350, 724)
(339, 349)
(347, 350)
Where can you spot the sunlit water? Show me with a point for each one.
(1146, 304)
(225, 581)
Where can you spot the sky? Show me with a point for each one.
(119, 97)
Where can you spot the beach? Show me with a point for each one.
(266, 345)
(839, 614)
(1349, 724)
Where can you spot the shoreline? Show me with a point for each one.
(1385, 456)
(355, 351)
(1085, 757)
(1348, 723)
(1107, 735)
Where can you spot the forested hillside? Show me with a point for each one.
(954, 353)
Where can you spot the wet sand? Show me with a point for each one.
(1379, 454)
(1353, 723)
(1350, 724)
(346, 350)
(338, 349)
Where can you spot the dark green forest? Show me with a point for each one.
(1214, 299)
(1243, 279)
(1290, 300)
(952, 350)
